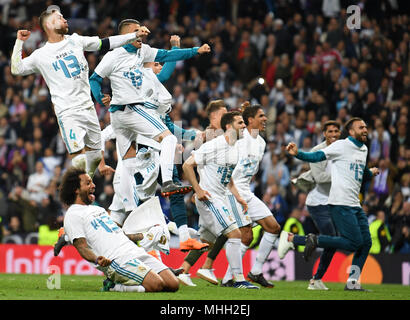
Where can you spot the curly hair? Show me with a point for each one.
(69, 184)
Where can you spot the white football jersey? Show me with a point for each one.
(319, 195)
(103, 236)
(348, 164)
(156, 96)
(216, 161)
(251, 151)
(124, 69)
(65, 70)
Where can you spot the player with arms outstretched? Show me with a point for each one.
(348, 172)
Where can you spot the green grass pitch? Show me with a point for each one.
(34, 287)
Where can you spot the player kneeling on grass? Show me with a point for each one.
(100, 241)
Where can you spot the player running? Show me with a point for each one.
(251, 150)
(348, 172)
(317, 202)
(215, 161)
(62, 64)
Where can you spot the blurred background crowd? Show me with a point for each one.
(298, 59)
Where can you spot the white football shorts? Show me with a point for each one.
(133, 271)
(257, 209)
(134, 120)
(242, 219)
(80, 129)
(215, 216)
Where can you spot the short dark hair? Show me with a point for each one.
(214, 105)
(229, 118)
(43, 16)
(349, 123)
(250, 112)
(46, 13)
(330, 123)
(127, 22)
(70, 182)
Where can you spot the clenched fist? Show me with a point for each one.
(205, 48)
(23, 35)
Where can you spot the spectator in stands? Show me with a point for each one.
(7, 132)
(310, 63)
(37, 183)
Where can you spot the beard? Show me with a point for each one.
(87, 197)
(361, 138)
(62, 31)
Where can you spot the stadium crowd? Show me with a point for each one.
(300, 62)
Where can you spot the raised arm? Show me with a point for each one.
(185, 135)
(112, 42)
(180, 54)
(169, 67)
(316, 156)
(20, 66)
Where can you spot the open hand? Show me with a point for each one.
(105, 170)
(203, 195)
(244, 204)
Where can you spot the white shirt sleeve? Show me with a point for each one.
(21, 66)
(205, 154)
(335, 150)
(73, 226)
(149, 53)
(89, 43)
(104, 68)
(107, 134)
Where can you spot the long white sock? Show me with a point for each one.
(229, 274)
(79, 161)
(93, 158)
(127, 185)
(183, 233)
(234, 256)
(167, 156)
(265, 247)
(122, 288)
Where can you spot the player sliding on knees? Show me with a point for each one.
(100, 241)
